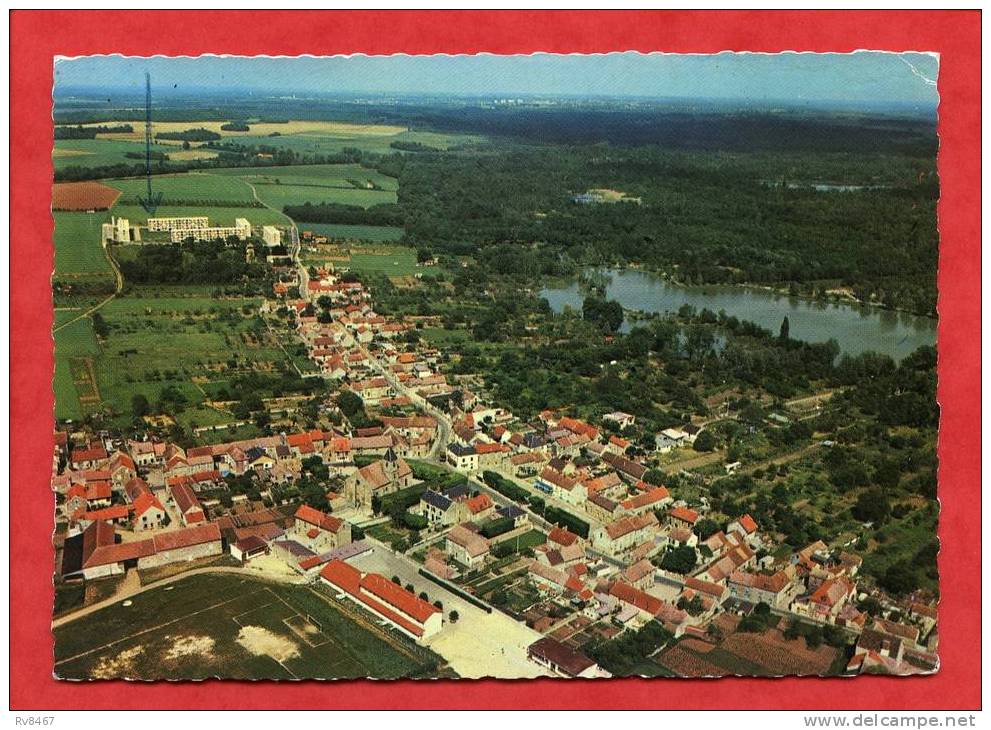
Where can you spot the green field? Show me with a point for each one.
(158, 341)
(345, 232)
(99, 152)
(185, 187)
(179, 337)
(389, 260)
(78, 253)
(327, 144)
(344, 176)
(237, 628)
(279, 196)
(219, 216)
(74, 344)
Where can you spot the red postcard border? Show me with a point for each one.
(37, 36)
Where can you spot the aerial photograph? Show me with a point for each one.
(519, 366)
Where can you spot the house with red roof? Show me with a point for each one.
(562, 537)
(492, 456)
(466, 546)
(121, 468)
(654, 499)
(824, 603)
(565, 488)
(624, 534)
(682, 517)
(187, 504)
(776, 590)
(318, 531)
(90, 458)
(377, 594)
(617, 445)
(561, 659)
(746, 527)
(117, 514)
(147, 511)
(98, 552)
(184, 545)
(648, 605)
(480, 506)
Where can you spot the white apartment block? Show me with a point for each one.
(178, 224)
(272, 236)
(241, 229)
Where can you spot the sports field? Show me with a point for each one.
(238, 628)
(78, 253)
(346, 232)
(373, 258)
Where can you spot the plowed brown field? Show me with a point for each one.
(83, 196)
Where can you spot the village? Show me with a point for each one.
(509, 547)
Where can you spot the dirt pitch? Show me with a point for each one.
(83, 196)
(235, 627)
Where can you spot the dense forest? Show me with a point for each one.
(703, 217)
(81, 132)
(194, 262)
(804, 202)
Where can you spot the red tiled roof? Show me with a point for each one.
(187, 537)
(635, 597)
(144, 502)
(398, 597)
(479, 504)
(561, 536)
(317, 518)
(556, 478)
(770, 583)
(490, 448)
(747, 523)
(122, 461)
(185, 499)
(100, 546)
(98, 490)
(684, 514)
(114, 512)
(97, 454)
(350, 580)
(655, 495)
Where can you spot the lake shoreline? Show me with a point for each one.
(857, 326)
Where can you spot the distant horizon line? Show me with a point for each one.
(66, 92)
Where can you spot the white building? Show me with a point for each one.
(241, 230)
(272, 236)
(118, 230)
(189, 223)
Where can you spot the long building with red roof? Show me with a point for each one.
(376, 593)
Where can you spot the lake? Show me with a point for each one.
(856, 329)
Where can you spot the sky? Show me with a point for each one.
(875, 77)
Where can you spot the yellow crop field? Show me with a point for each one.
(192, 154)
(263, 128)
(61, 152)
